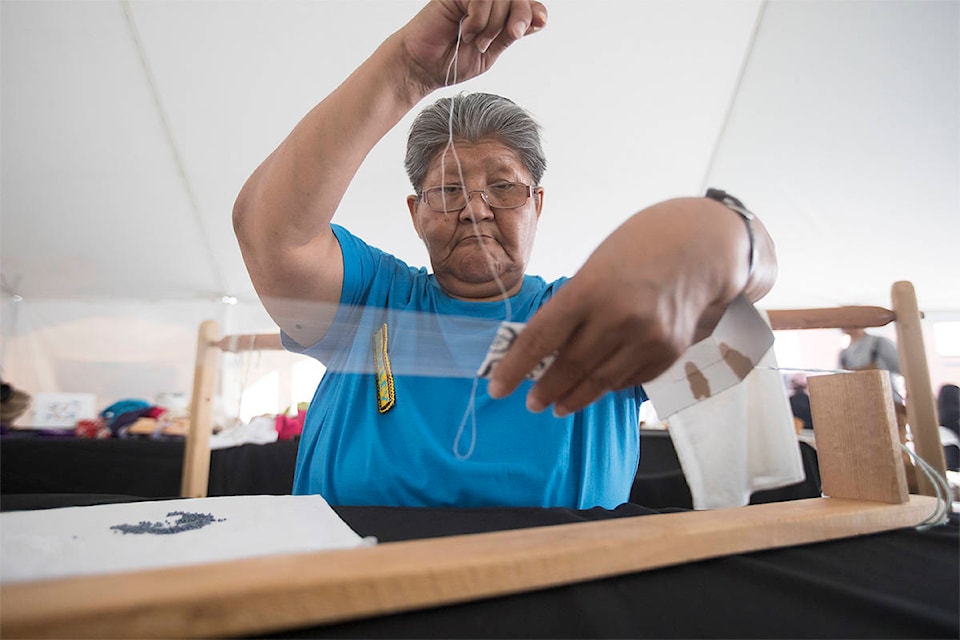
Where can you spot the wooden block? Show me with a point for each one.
(855, 426)
(260, 595)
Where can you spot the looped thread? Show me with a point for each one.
(471, 410)
(940, 513)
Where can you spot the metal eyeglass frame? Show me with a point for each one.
(469, 196)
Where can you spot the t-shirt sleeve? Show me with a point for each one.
(371, 279)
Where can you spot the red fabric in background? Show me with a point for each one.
(289, 427)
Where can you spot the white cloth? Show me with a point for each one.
(110, 538)
(260, 430)
(738, 441)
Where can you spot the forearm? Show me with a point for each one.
(291, 198)
(283, 212)
(701, 250)
(293, 194)
(282, 215)
(732, 250)
(700, 239)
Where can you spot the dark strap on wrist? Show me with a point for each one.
(738, 207)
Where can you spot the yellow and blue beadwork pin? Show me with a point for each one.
(386, 393)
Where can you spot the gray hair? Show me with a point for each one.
(475, 116)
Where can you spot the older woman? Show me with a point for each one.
(383, 437)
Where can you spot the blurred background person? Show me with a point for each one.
(948, 410)
(800, 402)
(868, 351)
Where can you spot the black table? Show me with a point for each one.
(899, 584)
(31, 464)
(138, 467)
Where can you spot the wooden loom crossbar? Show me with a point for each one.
(257, 595)
(830, 318)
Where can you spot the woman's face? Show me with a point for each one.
(471, 249)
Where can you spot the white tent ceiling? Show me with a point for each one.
(129, 127)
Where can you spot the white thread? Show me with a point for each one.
(451, 147)
(940, 513)
(804, 370)
(471, 410)
(472, 414)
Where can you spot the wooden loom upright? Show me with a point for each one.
(860, 466)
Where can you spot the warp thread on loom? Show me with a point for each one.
(941, 512)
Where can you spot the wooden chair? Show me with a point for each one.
(920, 401)
(210, 345)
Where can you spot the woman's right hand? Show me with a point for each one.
(429, 40)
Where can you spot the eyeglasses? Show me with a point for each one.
(500, 195)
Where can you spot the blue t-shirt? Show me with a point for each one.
(354, 451)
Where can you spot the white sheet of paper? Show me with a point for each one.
(714, 364)
(110, 538)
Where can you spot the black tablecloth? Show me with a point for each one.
(151, 469)
(138, 467)
(899, 584)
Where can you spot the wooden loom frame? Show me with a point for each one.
(921, 410)
(862, 473)
(196, 454)
(921, 403)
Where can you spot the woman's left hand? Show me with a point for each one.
(655, 286)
